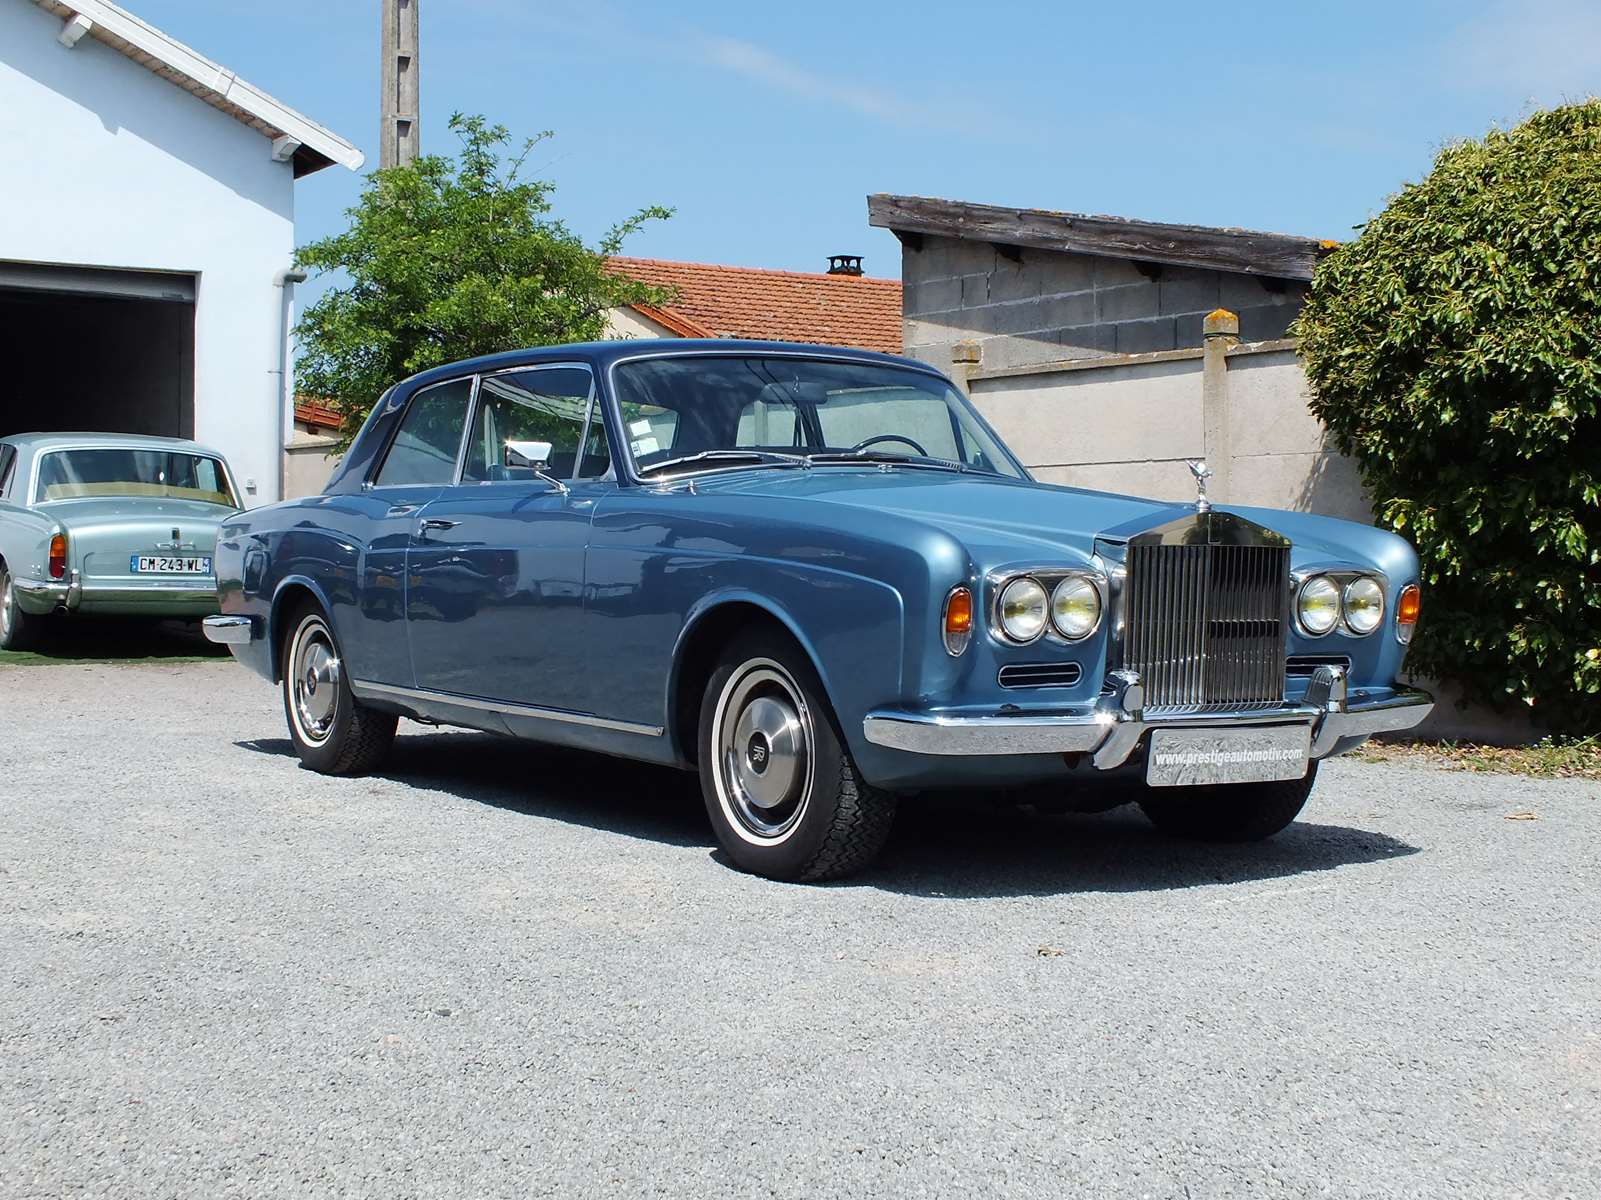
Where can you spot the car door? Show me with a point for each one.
(419, 464)
(496, 566)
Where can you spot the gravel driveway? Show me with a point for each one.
(499, 970)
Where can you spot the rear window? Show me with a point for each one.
(118, 471)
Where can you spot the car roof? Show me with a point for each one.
(39, 442)
(601, 355)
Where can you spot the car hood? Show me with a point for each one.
(982, 510)
(1001, 519)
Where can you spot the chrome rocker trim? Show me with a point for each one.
(367, 690)
(1112, 729)
(229, 631)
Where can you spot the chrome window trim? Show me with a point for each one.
(472, 419)
(632, 476)
(366, 689)
(370, 483)
(1048, 578)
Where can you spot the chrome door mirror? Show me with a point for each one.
(527, 454)
(532, 457)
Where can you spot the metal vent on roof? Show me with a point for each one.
(844, 264)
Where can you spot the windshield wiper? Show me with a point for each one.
(756, 457)
(888, 456)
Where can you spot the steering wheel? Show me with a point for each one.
(890, 437)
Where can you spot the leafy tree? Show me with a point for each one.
(450, 258)
(1455, 349)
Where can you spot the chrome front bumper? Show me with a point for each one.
(1110, 730)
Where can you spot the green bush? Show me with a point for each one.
(1454, 348)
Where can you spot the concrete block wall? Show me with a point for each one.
(1049, 306)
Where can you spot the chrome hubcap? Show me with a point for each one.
(764, 742)
(7, 599)
(314, 679)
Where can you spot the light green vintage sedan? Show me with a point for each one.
(101, 524)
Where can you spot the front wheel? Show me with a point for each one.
(780, 787)
(1232, 812)
(331, 731)
(18, 630)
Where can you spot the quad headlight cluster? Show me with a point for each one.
(1325, 602)
(1064, 604)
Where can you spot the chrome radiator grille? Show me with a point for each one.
(1204, 625)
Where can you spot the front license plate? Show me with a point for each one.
(157, 564)
(1248, 754)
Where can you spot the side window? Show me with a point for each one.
(429, 437)
(533, 406)
(8, 467)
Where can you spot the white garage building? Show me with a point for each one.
(146, 226)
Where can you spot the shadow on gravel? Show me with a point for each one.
(963, 848)
(109, 639)
(952, 847)
(610, 794)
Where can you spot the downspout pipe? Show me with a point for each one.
(285, 280)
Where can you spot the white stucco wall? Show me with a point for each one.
(625, 322)
(109, 165)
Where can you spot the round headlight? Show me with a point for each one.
(1023, 609)
(1318, 605)
(1075, 607)
(1364, 605)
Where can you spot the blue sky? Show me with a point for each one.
(766, 125)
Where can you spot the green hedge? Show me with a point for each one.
(1454, 348)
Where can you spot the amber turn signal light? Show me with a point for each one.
(1406, 612)
(58, 556)
(958, 620)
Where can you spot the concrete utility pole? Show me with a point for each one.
(398, 131)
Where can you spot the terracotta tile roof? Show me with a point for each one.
(791, 306)
(313, 412)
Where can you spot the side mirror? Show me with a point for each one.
(534, 457)
(527, 454)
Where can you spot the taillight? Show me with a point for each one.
(1406, 612)
(58, 556)
(958, 620)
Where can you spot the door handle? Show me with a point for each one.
(438, 523)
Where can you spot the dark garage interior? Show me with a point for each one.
(96, 351)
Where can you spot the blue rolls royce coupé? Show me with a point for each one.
(818, 578)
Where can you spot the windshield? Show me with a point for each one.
(168, 474)
(700, 412)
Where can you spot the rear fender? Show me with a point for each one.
(283, 599)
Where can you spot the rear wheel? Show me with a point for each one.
(1235, 812)
(780, 788)
(18, 630)
(332, 732)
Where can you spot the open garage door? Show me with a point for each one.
(99, 351)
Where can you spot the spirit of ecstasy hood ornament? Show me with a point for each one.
(1202, 473)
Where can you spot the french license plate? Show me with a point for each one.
(160, 564)
(1246, 754)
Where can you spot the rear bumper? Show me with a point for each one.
(169, 597)
(229, 631)
(1111, 730)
